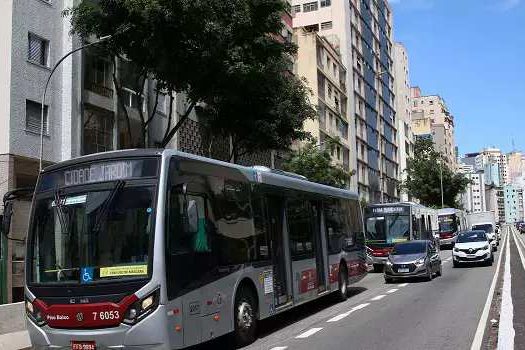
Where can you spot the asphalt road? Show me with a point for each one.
(441, 314)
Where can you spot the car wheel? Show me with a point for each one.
(245, 317)
(429, 275)
(389, 280)
(490, 261)
(455, 263)
(378, 268)
(342, 293)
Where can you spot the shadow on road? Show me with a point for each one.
(277, 323)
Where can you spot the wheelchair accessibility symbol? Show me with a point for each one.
(86, 274)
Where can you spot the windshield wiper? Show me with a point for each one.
(106, 205)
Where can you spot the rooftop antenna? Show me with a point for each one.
(513, 145)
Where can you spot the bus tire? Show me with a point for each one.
(378, 268)
(342, 289)
(245, 313)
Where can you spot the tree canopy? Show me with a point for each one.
(316, 164)
(423, 177)
(226, 55)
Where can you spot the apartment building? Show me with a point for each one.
(431, 119)
(363, 29)
(319, 62)
(474, 198)
(513, 203)
(515, 166)
(403, 111)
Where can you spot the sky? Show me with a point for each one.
(471, 53)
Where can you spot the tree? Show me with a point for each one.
(423, 177)
(316, 165)
(224, 54)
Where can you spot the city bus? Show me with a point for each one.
(391, 223)
(159, 249)
(451, 222)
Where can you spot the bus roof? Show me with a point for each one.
(259, 174)
(399, 204)
(447, 211)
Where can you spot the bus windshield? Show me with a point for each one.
(388, 229)
(85, 237)
(447, 223)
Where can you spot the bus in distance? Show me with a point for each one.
(391, 223)
(159, 249)
(451, 222)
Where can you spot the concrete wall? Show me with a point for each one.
(6, 9)
(12, 318)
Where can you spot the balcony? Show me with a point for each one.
(100, 89)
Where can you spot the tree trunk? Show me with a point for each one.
(174, 130)
(120, 100)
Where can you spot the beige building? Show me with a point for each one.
(515, 166)
(432, 119)
(320, 64)
(403, 110)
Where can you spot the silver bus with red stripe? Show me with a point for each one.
(159, 249)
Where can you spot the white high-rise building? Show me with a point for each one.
(403, 111)
(474, 198)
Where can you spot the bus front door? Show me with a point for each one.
(279, 249)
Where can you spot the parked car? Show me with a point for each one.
(413, 259)
(472, 247)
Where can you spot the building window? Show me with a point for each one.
(98, 130)
(310, 6)
(34, 117)
(326, 3)
(37, 49)
(326, 25)
(296, 9)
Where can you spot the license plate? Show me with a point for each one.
(83, 345)
(471, 256)
(402, 270)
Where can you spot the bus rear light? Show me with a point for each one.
(35, 314)
(140, 309)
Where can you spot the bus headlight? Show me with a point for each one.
(140, 309)
(34, 314)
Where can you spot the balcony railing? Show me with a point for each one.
(100, 89)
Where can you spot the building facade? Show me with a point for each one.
(319, 62)
(515, 166)
(403, 111)
(431, 119)
(362, 31)
(513, 203)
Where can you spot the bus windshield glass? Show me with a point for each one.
(86, 237)
(447, 223)
(390, 228)
(488, 228)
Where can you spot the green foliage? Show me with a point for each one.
(315, 163)
(423, 177)
(224, 54)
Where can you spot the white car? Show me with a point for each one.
(491, 235)
(472, 247)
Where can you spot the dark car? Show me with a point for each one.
(413, 259)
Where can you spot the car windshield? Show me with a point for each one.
(409, 248)
(90, 236)
(488, 228)
(475, 236)
(388, 229)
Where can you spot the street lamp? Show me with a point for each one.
(100, 40)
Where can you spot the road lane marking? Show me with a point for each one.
(522, 258)
(403, 285)
(308, 333)
(279, 348)
(480, 331)
(393, 290)
(506, 325)
(346, 314)
(379, 297)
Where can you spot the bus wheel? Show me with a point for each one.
(378, 268)
(245, 317)
(342, 293)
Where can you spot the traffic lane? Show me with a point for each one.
(442, 314)
(282, 327)
(517, 271)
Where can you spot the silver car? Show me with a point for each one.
(413, 259)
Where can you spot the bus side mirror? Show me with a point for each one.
(192, 217)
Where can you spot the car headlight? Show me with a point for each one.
(388, 262)
(456, 250)
(486, 247)
(420, 262)
(35, 314)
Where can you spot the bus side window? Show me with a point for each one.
(415, 227)
(334, 226)
(300, 220)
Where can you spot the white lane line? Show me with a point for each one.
(403, 285)
(308, 333)
(506, 324)
(279, 348)
(379, 297)
(393, 290)
(346, 314)
(480, 331)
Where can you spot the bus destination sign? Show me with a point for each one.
(104, 171)
(389, 210)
